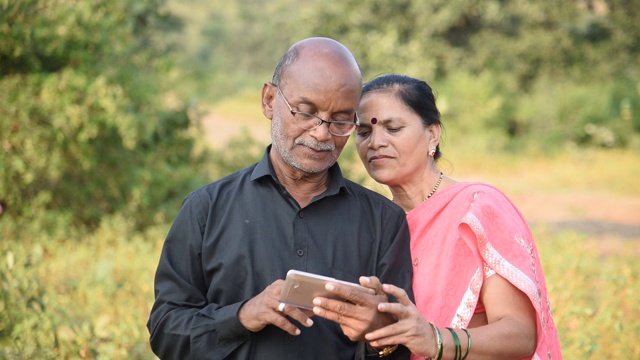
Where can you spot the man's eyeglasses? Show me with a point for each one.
(309, 121)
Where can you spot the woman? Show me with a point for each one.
(479, 288)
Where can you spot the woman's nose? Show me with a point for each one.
(377, 139)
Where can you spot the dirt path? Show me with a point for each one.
(603, 215)
(219, 129)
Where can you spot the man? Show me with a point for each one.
(223, 261)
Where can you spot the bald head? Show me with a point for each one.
(316, 50)
(320, 78)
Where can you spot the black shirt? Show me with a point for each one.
(234, 237)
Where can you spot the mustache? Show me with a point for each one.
(318, 146)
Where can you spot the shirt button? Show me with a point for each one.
(301, 214)
(300, 252)
(292, 338)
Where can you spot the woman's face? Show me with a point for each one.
(392, 141)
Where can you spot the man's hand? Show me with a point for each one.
(262, 310)
(357, 315)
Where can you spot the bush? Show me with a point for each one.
(89, 125)
(593, 289)
(552, 115)
(74, 294)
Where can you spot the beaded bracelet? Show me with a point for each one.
(438, 343)
(468, 343)
(456, 343)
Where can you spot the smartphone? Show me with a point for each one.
(301, 287)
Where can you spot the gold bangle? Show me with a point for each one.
(387, 350)
(439, 344)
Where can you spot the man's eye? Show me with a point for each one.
(340, 125)
(363, 132)
(305, 116)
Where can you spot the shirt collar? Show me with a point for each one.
(264, 168)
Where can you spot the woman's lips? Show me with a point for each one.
(376, 159)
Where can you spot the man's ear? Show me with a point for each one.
(268, 96)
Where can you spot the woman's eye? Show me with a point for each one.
(394, 129)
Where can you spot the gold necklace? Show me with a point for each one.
(435, 187)
(433, 191)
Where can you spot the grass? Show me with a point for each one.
(72, 294)
(604, 170)
(88, 296)
(244, 108)
(78, 295)
(594, 295)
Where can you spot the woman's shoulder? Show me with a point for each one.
(488, 202)
(481, 195)
(475, 188)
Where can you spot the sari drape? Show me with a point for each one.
(459, 235)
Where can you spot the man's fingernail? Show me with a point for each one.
(309, 322)
(330, 287)
(317, 302)
(297, 331)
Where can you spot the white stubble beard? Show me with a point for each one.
(280, 146)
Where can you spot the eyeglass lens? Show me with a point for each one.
(309, 121)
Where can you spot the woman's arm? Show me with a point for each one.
(509, 331)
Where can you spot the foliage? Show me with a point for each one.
(75, 294)
(350, 163)
(592, 288)
(240, 151)
(552, 116)
(541, 63)
(524, 39)
(89, 126)
(230, 44)
(87, 295)
(98, 147)
(545, 65)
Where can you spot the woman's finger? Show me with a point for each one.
(398, 293)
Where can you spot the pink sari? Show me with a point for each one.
(461, 235)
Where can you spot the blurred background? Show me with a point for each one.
(112, 111)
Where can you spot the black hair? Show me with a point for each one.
(414, 93)
(283, 64)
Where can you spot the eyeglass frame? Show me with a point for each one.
(320, 121)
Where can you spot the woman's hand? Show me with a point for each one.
(411, 329)
(357, 310)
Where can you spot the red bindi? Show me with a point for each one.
(374, 121)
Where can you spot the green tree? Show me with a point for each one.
(525, 39)
(232, 45)
(88, 124)
(519, 50)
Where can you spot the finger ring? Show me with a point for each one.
(280, 307)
